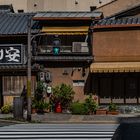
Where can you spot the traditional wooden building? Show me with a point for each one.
(116, 67)
(61, 51)
(13, 55)
(64, 49)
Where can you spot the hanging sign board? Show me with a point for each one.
(11, 54)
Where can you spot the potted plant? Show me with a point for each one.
(34, 106)
(46, 107)
(78, 108)
(112, 109)
(39, 91)
(63, 95)
(38, 98)
(40, 107)
(101, 111)
(6, 109)
(90, 105)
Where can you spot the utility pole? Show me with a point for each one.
(29, 72)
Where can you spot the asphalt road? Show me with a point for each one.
(6, 123)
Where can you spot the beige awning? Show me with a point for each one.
(109, 67)
(80, 30)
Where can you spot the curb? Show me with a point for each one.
(80, 122)
(58, 122)
(12, 121)
(71, 120)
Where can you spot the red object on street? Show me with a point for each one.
(58, 108)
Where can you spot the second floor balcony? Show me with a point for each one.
(64, 45)
(78, 48)
(63, 48)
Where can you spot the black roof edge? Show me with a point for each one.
(6, 8)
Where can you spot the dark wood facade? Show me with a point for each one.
(121, 88)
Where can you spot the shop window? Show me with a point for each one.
(105, 87)
(131, 87)
(118, 88)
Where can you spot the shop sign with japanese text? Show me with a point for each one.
(11, 54)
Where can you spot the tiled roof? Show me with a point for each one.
(7, 68)
(134, 21)
(63, 58)
(11, 67)
(67, 15)
(14, 23)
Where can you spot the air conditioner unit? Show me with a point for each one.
(80, 47)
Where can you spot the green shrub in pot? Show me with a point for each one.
(6, 109)
(78, 108)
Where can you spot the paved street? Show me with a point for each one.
(4, 123)
(58, 131)
(66, 126)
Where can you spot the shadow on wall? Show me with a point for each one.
(87, 87)
(129, 129)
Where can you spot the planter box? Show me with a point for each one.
(33, 110)
(101, 112)
(113, 112)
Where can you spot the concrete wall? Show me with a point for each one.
(54, 5)
(35, 5)
(58, 77)
(17, 4)
(117, 45)
(118, 6)
(70, 5)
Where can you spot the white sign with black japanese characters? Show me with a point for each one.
(11, 54)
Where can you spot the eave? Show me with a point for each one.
(115, 26)
(65, 19)
(63, 58)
